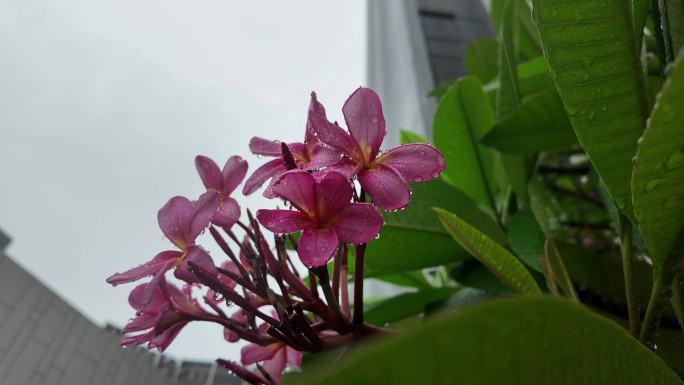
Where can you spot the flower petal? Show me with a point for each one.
(365, 120)
(199, 257)
(416, 162)
(276, 365)
(203, 210)
(386, 186)
(173, 219)
(253, 353)
(358, 223)
(233, 173)
(262, 174)
(227, 214)
(283, 221)
(346, 167)
(331, 134)
(321, 156)
(294, 357)
(160, 263)
(317, 108)
(140, 300)
(332, 192)
(162, 341)
(265, 147)
(296, 187)
(208, 172)
(317, 246)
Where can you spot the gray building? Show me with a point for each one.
(415, 45)
(44, 341)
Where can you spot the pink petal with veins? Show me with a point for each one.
(296, 187)
(386, 187)
(331, 134)
(199, 257)
(160, 263)
(358, 223)
(227, 214)
(209, 172)
(276, 365)
(365, 120)
(233, 173)
(416, 162)
(265, 147)
(283, 221)
(253, 353)
(332, 192)
(317, 246)
(262, 174)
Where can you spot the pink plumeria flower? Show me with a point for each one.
(274, 358)
(324, 211)
(181, 221)
(309, 155)
(223, 182)
(384, 176)
(162, 317)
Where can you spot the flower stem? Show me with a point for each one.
(330, 298)
(344, 287)
(359, 259)
(626, 250)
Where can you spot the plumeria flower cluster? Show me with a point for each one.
(334, 185)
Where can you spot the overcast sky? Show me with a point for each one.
(104, 105)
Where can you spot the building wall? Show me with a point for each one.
(44, 341)
(414, 45)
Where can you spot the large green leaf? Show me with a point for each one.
(523, 341)
(405, 305)
(463, 115)
(539, 124)
(495, 257)
(481, 59)
(658, 180)
(594, 61)
(523, 30)
(414, 238)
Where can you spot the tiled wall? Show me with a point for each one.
(44, 341)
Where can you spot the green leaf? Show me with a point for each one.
(658, 179)
(472, 273)
(405, 305)
(591, 50)
(481, 59)
(408, 137)
(495, 257)
(540, 124)
(526, 238)
(523, 341)
(639, 11)
(463, 115)
(545, 207)
(508, 96)
(675, 15)
(406, 279)
(522, 28)
(413, 238)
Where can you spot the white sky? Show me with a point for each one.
(103, 106)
